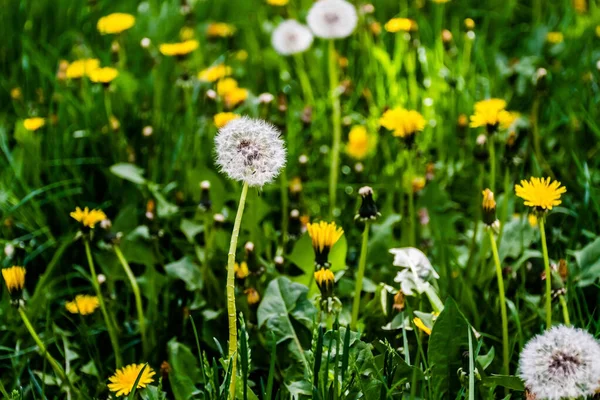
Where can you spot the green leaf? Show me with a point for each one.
(187, 271)
(184, 370)
(190, 229)
(507, 381)
(129, 172)
(588, 260)
(447, 344)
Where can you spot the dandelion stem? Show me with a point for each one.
(107, 320)
(492, 164)
(502, 302)
(411, 201)
(53, 363)
(565, 310)
(137, 296)
(548, 274)
(231, 311)
(336, 116)
(304, 81)
(360, 275)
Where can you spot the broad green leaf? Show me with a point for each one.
(507, 381)
(190, 229)
(187, 271)
(588, 260)
(184, 370)
(129, 172)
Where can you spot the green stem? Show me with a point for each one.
(548, 274)
(504, 212)
(304, 81)
(53, 363)
(359, 276)
(565, 310)
(138, 298)
(336, 116)
(502, 301)
(411, 201)
(107, 320)
(231, 311)
(492, 150)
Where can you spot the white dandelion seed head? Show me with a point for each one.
(563, 362)
(291, 37)
(332, 19)
(250, 150)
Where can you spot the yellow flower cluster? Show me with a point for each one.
(124, 379)
(214, 73)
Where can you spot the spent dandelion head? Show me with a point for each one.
(33, 124)
(124, 378)
(179, 49)
(88, 218)
(250, 150)
(325, 281)
(291, 37)
(368, 209)
(14, 278)
(540, 193)
(563, 362)
(323, 235)
(83, 304)
(115, 23)
(332, 19)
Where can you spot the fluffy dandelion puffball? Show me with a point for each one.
(332, 19)
(250, 150)
(563, 362)
(291, 37)
(540, 193)
(122, 381)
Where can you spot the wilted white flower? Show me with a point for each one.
(332, 19)
(563, 362)
(416, 270)
(250, 150)
(291, 37)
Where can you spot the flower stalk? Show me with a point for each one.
(505, 355)
(548, 273)
(337, 128)
(360, 275)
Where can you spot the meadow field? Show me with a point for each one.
(299, 199)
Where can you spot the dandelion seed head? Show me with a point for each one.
(332, 19)
(250, 150)
(291, 37)
(563, 362)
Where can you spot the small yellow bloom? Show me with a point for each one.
(33, 124)
(186, 33)
(508, 118)
(555, 37)
(103, 75)
(400, 25)
(214, 73)
(220, 29)
(226, 85)
(532, 219)
(16, 93)
(323, 235)
(358, 142)
(178, 49)
(540, 193)
(241, 55)
(235, 97)
(278, 2)
(83, 304)
(252, 296)
(488, 200)
(221, 119)
(469, 24)
(419, 324)
(402, 122)
(418, 183)
(115, 23)
(79, 68)
(325, 280)
(14, 277)
(88, 218)
(489, 113)
(241, 270)
(124, 379)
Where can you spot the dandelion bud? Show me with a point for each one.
(219, 220)
(295, 225)
(367, 8)
(101, 279)
(489, 207)
(250, 150)
(147, 131)
(359, 167)
(399, 301)
(540, 79)
(205, 202)
(241, 270)
(417, 184)
(279, 261)
(368, 209)
(446, 36)
(563, 362)
(469, 24)
(14, 277)
(252, 296)
(106, 224)
(9, 250)
(145, 43)
(481, 151)
(265, 98)
(323, 235)
(325, 281)
(165, 369)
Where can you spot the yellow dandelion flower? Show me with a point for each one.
(489, 113)
(186, 33)
(252, 296)
(358, 142)
(221, 119)
(79, 68)
(533, 220)
(178, 49)
(400, 25)
(226, 85)
(324, 235)
(469, 24)
(220, 29)
(16, 93)
(508, 118)
(278, 3)
(540, 193)
(33, 124)
(241, 55)
(83, 304)
(115, 23)
(325, 280)
(419, 324)
(14, 277)
(88, 218)
(214, 73)
(235, 97)
(402, 122)
(555, 37)
(123, 380)
(418, 183)
(103, 75)
(241, 270)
